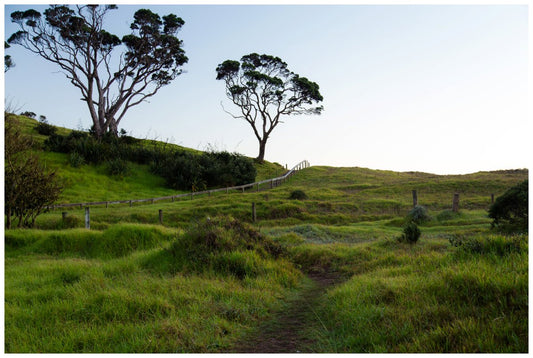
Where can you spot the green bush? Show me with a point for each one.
(44, 128)
(298, 195)
(117, 167)
(494, 244)
(510, 210)
(418, 215)
(76, 160)
(411, 233)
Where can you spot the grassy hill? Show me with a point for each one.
(210, 278)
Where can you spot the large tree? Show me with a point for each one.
(75, 40)
(265, 90)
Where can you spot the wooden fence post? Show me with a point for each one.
(415, 199)
(161, 216)
(254, 216)
(87, 218)
(455, 205)
(492, 198)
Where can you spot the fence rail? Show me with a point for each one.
(274, 182)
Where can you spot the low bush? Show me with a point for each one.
(510, 210)
(499, 245)
(117, 167)
(76, 160)
(411, 233)
(298, 195)
(45, 128)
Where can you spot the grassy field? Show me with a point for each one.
(208, 277)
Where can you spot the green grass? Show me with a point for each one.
(429, 299)
(196, 285)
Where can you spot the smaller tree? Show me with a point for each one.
(265, 90)
(510, 210)
(29, 187)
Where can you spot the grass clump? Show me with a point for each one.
(224, 246)
(298, 195)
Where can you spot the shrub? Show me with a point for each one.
(493, 244)
(418, 215)
(411, 233)
(44, 128)
(30, 187)
(117, 167)
(298, 195)
(510, 210)
(76, 160)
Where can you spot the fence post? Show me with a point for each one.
(415, 199)
(64, 215)
(161, 216)
(254, 216)
(492, 198)
(87, 218)
(455, 205)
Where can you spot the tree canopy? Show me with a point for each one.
(75, 40)
(264, 89)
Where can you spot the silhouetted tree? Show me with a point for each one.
(76, 41)
(29, 187)
(265, 90)
(8, 62)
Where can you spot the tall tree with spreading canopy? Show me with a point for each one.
(265, 90)
(75, 40)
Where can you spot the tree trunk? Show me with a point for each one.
(8, 218)
(262, 145)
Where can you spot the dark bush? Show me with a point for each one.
(45, 128)
(76, 160)
(510, 210)
(298, 195)
(117, 167)
(411, 233)
(181, 170)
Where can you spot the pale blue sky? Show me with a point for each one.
(433, 88)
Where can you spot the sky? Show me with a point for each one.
(411, 87)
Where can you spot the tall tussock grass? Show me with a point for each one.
(469, 298)
(225, 246)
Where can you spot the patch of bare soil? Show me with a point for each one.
(283, 333)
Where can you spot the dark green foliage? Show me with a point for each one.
(411, 233)
(28, 114)
(76, 160)
(45, 128)
(117, 167)
(181, 170)
(510, 210)
(497, 244)
(418, 215)
(298, 195)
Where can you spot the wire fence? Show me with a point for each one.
(269, 183)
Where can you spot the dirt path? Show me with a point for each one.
(282, 333)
